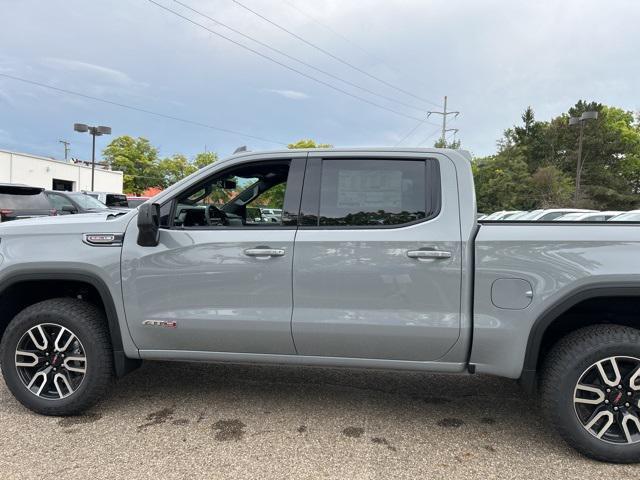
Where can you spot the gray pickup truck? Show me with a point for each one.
(376, 261)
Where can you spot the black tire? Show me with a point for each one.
(564, 367)
(88, 324)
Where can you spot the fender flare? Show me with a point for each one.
(546, 319)
(122, 363)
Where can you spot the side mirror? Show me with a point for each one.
(69, 209)
(149, 225)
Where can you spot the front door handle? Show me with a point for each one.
(428, 254)
(264, 252)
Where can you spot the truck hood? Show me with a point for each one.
(79, 223)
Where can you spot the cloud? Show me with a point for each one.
(290, 94)
(110, 74)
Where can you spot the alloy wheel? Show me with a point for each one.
(607, 399)
(51, 361)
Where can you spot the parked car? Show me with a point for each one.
(587, 217)
(550, 214)
(377, 261)
(631, 216)
(134, 202)
(271, 214)
(512, 214)
(518, 216)
(115, 200)
(21, 201)
(75, 202)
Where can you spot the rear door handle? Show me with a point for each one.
(428, 254)
(264, 252)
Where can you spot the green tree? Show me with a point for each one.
(137, 159)
(502, 182)
(205, 158)
(550, 187)
(175, 168)
(308, 143)
(443, 143)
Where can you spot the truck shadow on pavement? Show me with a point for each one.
(232, 398)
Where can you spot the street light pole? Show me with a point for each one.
(581, 120)
(93, 158)
(94, 132)
(579, 163)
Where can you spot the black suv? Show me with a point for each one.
(22, 201)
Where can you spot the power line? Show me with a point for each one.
(291, 57)
(332, 30)
(138, 109)
(428, 137)
(288, 67)
(409, 133)
(335, 57)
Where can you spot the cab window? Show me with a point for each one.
(235, 198)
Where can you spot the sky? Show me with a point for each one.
(492, 58)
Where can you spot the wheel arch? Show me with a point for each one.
(558, 312)
(122, 363)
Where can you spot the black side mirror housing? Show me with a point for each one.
(69, 209)
(148, 225)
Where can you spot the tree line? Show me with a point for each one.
(534, 166)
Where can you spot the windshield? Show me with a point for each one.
(87, 202)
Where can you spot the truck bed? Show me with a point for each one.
(525, 269)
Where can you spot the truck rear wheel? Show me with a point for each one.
(591, 392)
(56, 356)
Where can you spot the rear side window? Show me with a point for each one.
(373, 192)
(117, 200)
(16, 201)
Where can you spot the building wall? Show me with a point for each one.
(41, 171)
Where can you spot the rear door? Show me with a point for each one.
(377, 265)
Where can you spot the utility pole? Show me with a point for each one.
(66, 148)
(444, 114)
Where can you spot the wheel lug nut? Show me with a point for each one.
(606, 401)
(629, 394)
(608, 390)
(627, 405)
(615, 408)
(620, 387)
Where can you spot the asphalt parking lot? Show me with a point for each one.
(171, 421)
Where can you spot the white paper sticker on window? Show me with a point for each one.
(370, 190)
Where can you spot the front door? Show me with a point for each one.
(220, 279)
(377, 266)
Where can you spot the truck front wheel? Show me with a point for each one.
(56, 356)
(591, 391)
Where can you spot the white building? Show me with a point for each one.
(53, 174)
